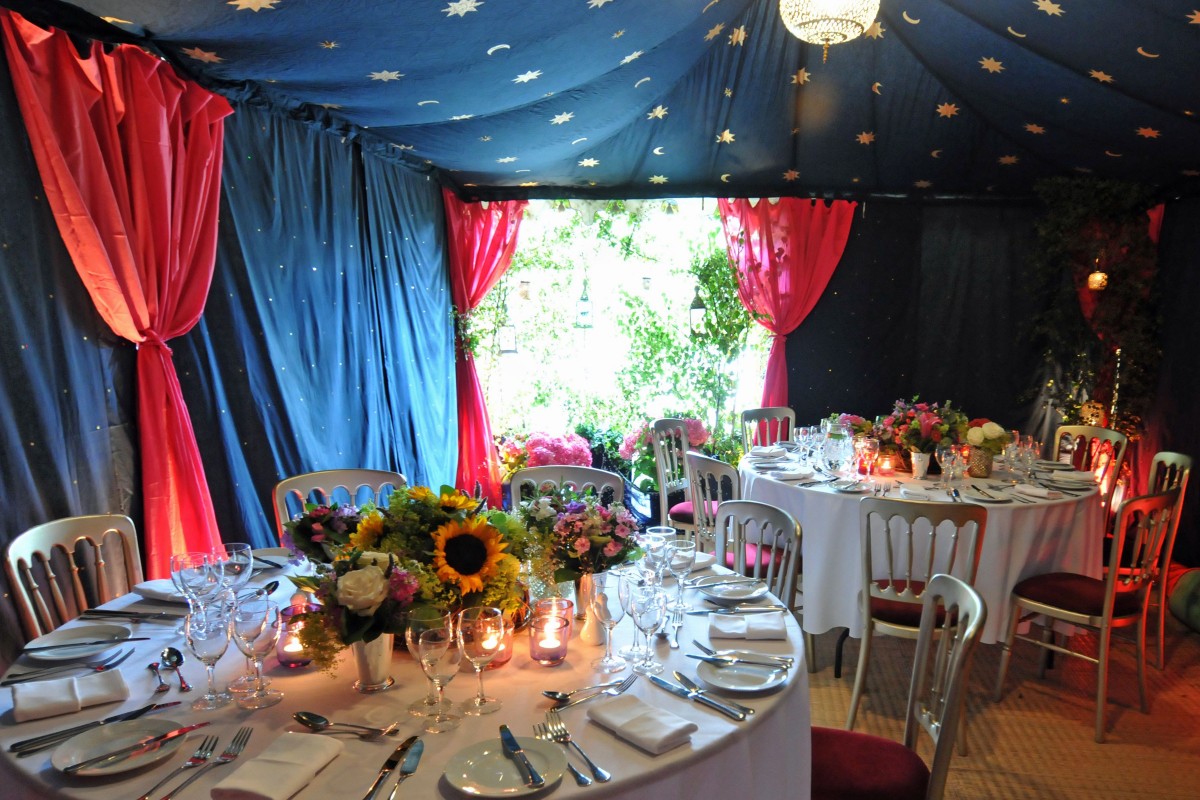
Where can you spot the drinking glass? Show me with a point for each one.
(255, 631)
(648, 608)
(194, 576)
(208, 638)
(868, 453)
(439, 656)
(606, 605)
(654, 561)
(630, 581)
(421, 619)
(480, 635)
(237, 562)
(946, 454)
(681, 557)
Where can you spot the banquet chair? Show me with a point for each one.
(923, 539)
(63, 567)
(670, 439)
(712, 482)
(608, 486)
(1117, 600)
(1093, 449)
(766, 426)
(763, 541)
(857, 766)
(1167, 471)
(354, 486)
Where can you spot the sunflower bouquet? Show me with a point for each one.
(322, 530)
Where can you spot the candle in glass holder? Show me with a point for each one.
(505, 651)
(548, 639)
(556, 606)
(289, 648)
(886, 466)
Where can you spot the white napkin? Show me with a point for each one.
(790, 474)
(704, 561)
(915, 494)
(652, 729)
(1082, 478)
(1037, 491)
(162, 589)
(38, 699)
(746, 626)
(767, 450)
(284, 768)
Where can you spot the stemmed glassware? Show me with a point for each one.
(480, 636)
(947, 457)
(681, 557)
(255, 631)
(439, 655)
(237, 562)
(606, 605)
(632, 580)
(868, 453)
(195, 577)
(648, 608)
(208, 637)
(421, 619)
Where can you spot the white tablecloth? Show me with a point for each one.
(1021, 540)
(766, 757)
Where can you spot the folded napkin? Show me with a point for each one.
(767, 450)
(915, 494)
(746, 626)
(790, 474)
(284, 768)
(704, 561)
(1082, 478)
(1037, 491)
(652, 729)
(38, 699)
(162, 589)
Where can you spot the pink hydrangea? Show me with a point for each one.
(697, 433)
(569, 449)
(639, 436)
(613, 547)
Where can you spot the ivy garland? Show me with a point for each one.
(1105, 340)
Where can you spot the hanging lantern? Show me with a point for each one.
(827, 22)
(646, 282)
(1097, 281)
(583, 309)
(506, 338)
(523, 290)
(696, 314)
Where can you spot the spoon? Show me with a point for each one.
(563, 697)
(172, 658)
(162, 685)
(316, 722)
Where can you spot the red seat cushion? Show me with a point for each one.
(898, 612)
(857, 766)
(685, 514)
(1077, 593)
(764, 555)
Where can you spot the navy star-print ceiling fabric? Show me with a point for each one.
(659, 98)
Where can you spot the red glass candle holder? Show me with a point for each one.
(289, 649)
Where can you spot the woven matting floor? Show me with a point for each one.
(1037, 742)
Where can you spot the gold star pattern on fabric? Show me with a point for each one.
(737, 36)
(1066, 101)
(461, 117)
(597, 3)
(1034, 128)
(485, 138)
(1051, 8)
(460, 8)
(876, 30)
(947, 110)
(714, 31)
(922, 184)
(1007, 160)
(1101, 75)
(658, 178)
(866, 137)
(801, 77)
(386, 75)
(634, 56)
(991, 65)
(506, 160)
(562, 118)
(202, 55)
(659, 112)
(1148, 133)
(1194, 18)
(253, 5)
(729, 92)
(791, 175)
(619, 34)
(725, 137)
(589, 162)
(329, 44)
(526, 77)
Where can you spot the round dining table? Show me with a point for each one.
(1024, 537)
(765, 757)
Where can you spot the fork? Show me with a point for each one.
(542, 732)
(561, 735)
(202, 755)
(108, 663)
(612, 692)
(231, 753)
(676, 624)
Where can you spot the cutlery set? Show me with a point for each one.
(407, 756)
(612, 691)
(112, 662)
(27, 747)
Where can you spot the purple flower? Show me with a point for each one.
(575, 507)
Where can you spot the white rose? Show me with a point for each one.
(543, 509)
(371, 558)
(362, 590)
(975, 436)
(992, 431)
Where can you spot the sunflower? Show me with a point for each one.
(456, 501)
(467, 553)
(370, 529)
(421, 494)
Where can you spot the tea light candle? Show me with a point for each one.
(504, 651)
(290, 650)
(558, 607)
(548, 640)
(885, 466)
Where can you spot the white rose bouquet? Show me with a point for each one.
(988, 435)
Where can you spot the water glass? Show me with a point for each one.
(439, 655)
(208, 637)
(480, 634)
(421, 619)
(648, 609)
(256, 626)
(681, 557)
(606, 606)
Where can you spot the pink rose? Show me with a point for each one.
(612, 548)
(582, 545)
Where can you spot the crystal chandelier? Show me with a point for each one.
(827, 22)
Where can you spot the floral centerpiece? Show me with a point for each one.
(638, 450)
(918, 427)
(589, 537)
(543, 449)
(324, 529)
(855, 424)
(987, 435)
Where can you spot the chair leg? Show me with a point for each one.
(837, 653)
(1160, 593)
(1105, 640)
(810, 651)
(1048, 638)
(1141, 661)
(1006, 650)
(860, 675)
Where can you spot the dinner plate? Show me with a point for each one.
(114, 736)
(112, 634)
(483, 770)
(729, 593)
(741, 677)
(1055, 465)
(990, 497)
(852, 488)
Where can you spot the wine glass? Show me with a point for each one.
(439, 656)
(648, 608)
(196, 565)
(237, 562)
(480, 636)
(421, 619)
(946, 455)
(606, 605)
(654, 560)
(681, 557)
(255, 631)
(208, 638)
(630, 581)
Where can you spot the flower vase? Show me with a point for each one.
(920, 465)
(979, 463)
(373, 663)
(591, 631)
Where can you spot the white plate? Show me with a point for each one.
(482, 770)
(114, 736)
(730, 593)
(1056, 465)
(853, 488)
(1081, 478)
(741, 677)
(976, 497)
(114, 634)
(790, 474)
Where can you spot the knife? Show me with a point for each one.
(38, 674)
(679, 691)
(36, 744)
(982, 492)
(727, 661)
(96, 643)
(692, 686)
(512, 749)
(139, 616)
(737, 610)
(144, 746)
(409, 766)
(707, 584)
(395, 758)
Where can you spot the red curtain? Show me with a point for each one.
(482, 237)
(785, 253)
(130, 157)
